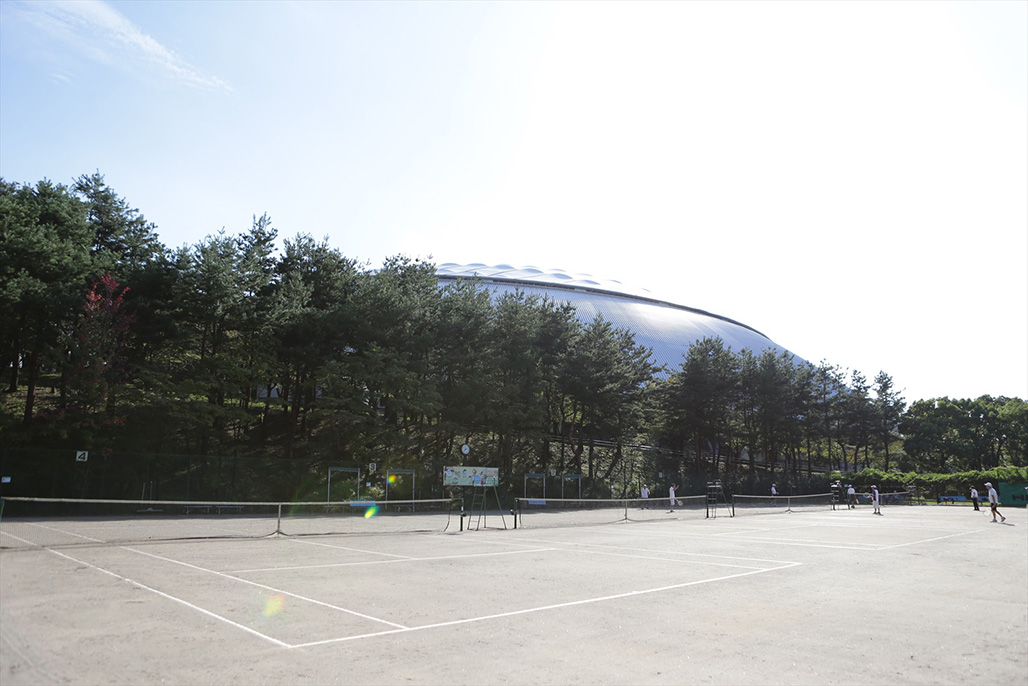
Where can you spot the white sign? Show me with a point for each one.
(372, 467)
(81, 455)
(5, 480)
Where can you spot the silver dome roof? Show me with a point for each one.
(667, 328)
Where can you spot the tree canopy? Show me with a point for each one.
(234, 347)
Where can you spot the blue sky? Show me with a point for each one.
(849, 178)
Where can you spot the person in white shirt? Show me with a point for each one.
(852, 493)
(774, 494)
(645, 493)
(671, 495)
(974, 498)
(994, 503)
(876, 500)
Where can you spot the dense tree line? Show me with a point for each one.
(235, 347)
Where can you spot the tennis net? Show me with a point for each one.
(772, 504)
(566, 512)
(56, 522)
(897, 498)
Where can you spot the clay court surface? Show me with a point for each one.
(921, 595)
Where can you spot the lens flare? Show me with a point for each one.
(391, 478)
(273, 605)
(371, 512)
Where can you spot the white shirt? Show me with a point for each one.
(645, 492)
(671, 493)
(774, 491)
(974, 493)
(851, 491)
(993, 496)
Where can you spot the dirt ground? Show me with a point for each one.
(921, 595)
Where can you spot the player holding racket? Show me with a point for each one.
(994, 503)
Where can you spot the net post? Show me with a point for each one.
(278, 523)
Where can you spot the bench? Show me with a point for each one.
(229, 508)
(952, 499)
(198, 508)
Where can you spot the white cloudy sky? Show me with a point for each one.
(850, 178)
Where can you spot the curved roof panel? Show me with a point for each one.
(668, 329)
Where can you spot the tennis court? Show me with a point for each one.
(921, 595)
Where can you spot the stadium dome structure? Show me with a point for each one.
(667, 328)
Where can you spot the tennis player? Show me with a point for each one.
(852, 493)
(876, 500)
(645, 493)
(974, 498)
(671, 495)
(994, 503)
(774, 494)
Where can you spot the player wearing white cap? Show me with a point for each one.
(994, 503)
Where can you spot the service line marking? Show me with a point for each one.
(929, 540)
(385, 562)
(677, 554)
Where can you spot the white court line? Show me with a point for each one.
(60, 531)
(777, 541)
(749, 530)
(879, 523)
(267, 588)
(355, 550)
(399, 627)
(676, 553)
(707, 537)
(19, 538)
(667, 559)
(544, 608)
(175, 599)
(811, 544)
(929, 540)
(876, 523)
(387, 562)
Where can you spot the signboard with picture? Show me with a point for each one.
(471, 476)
